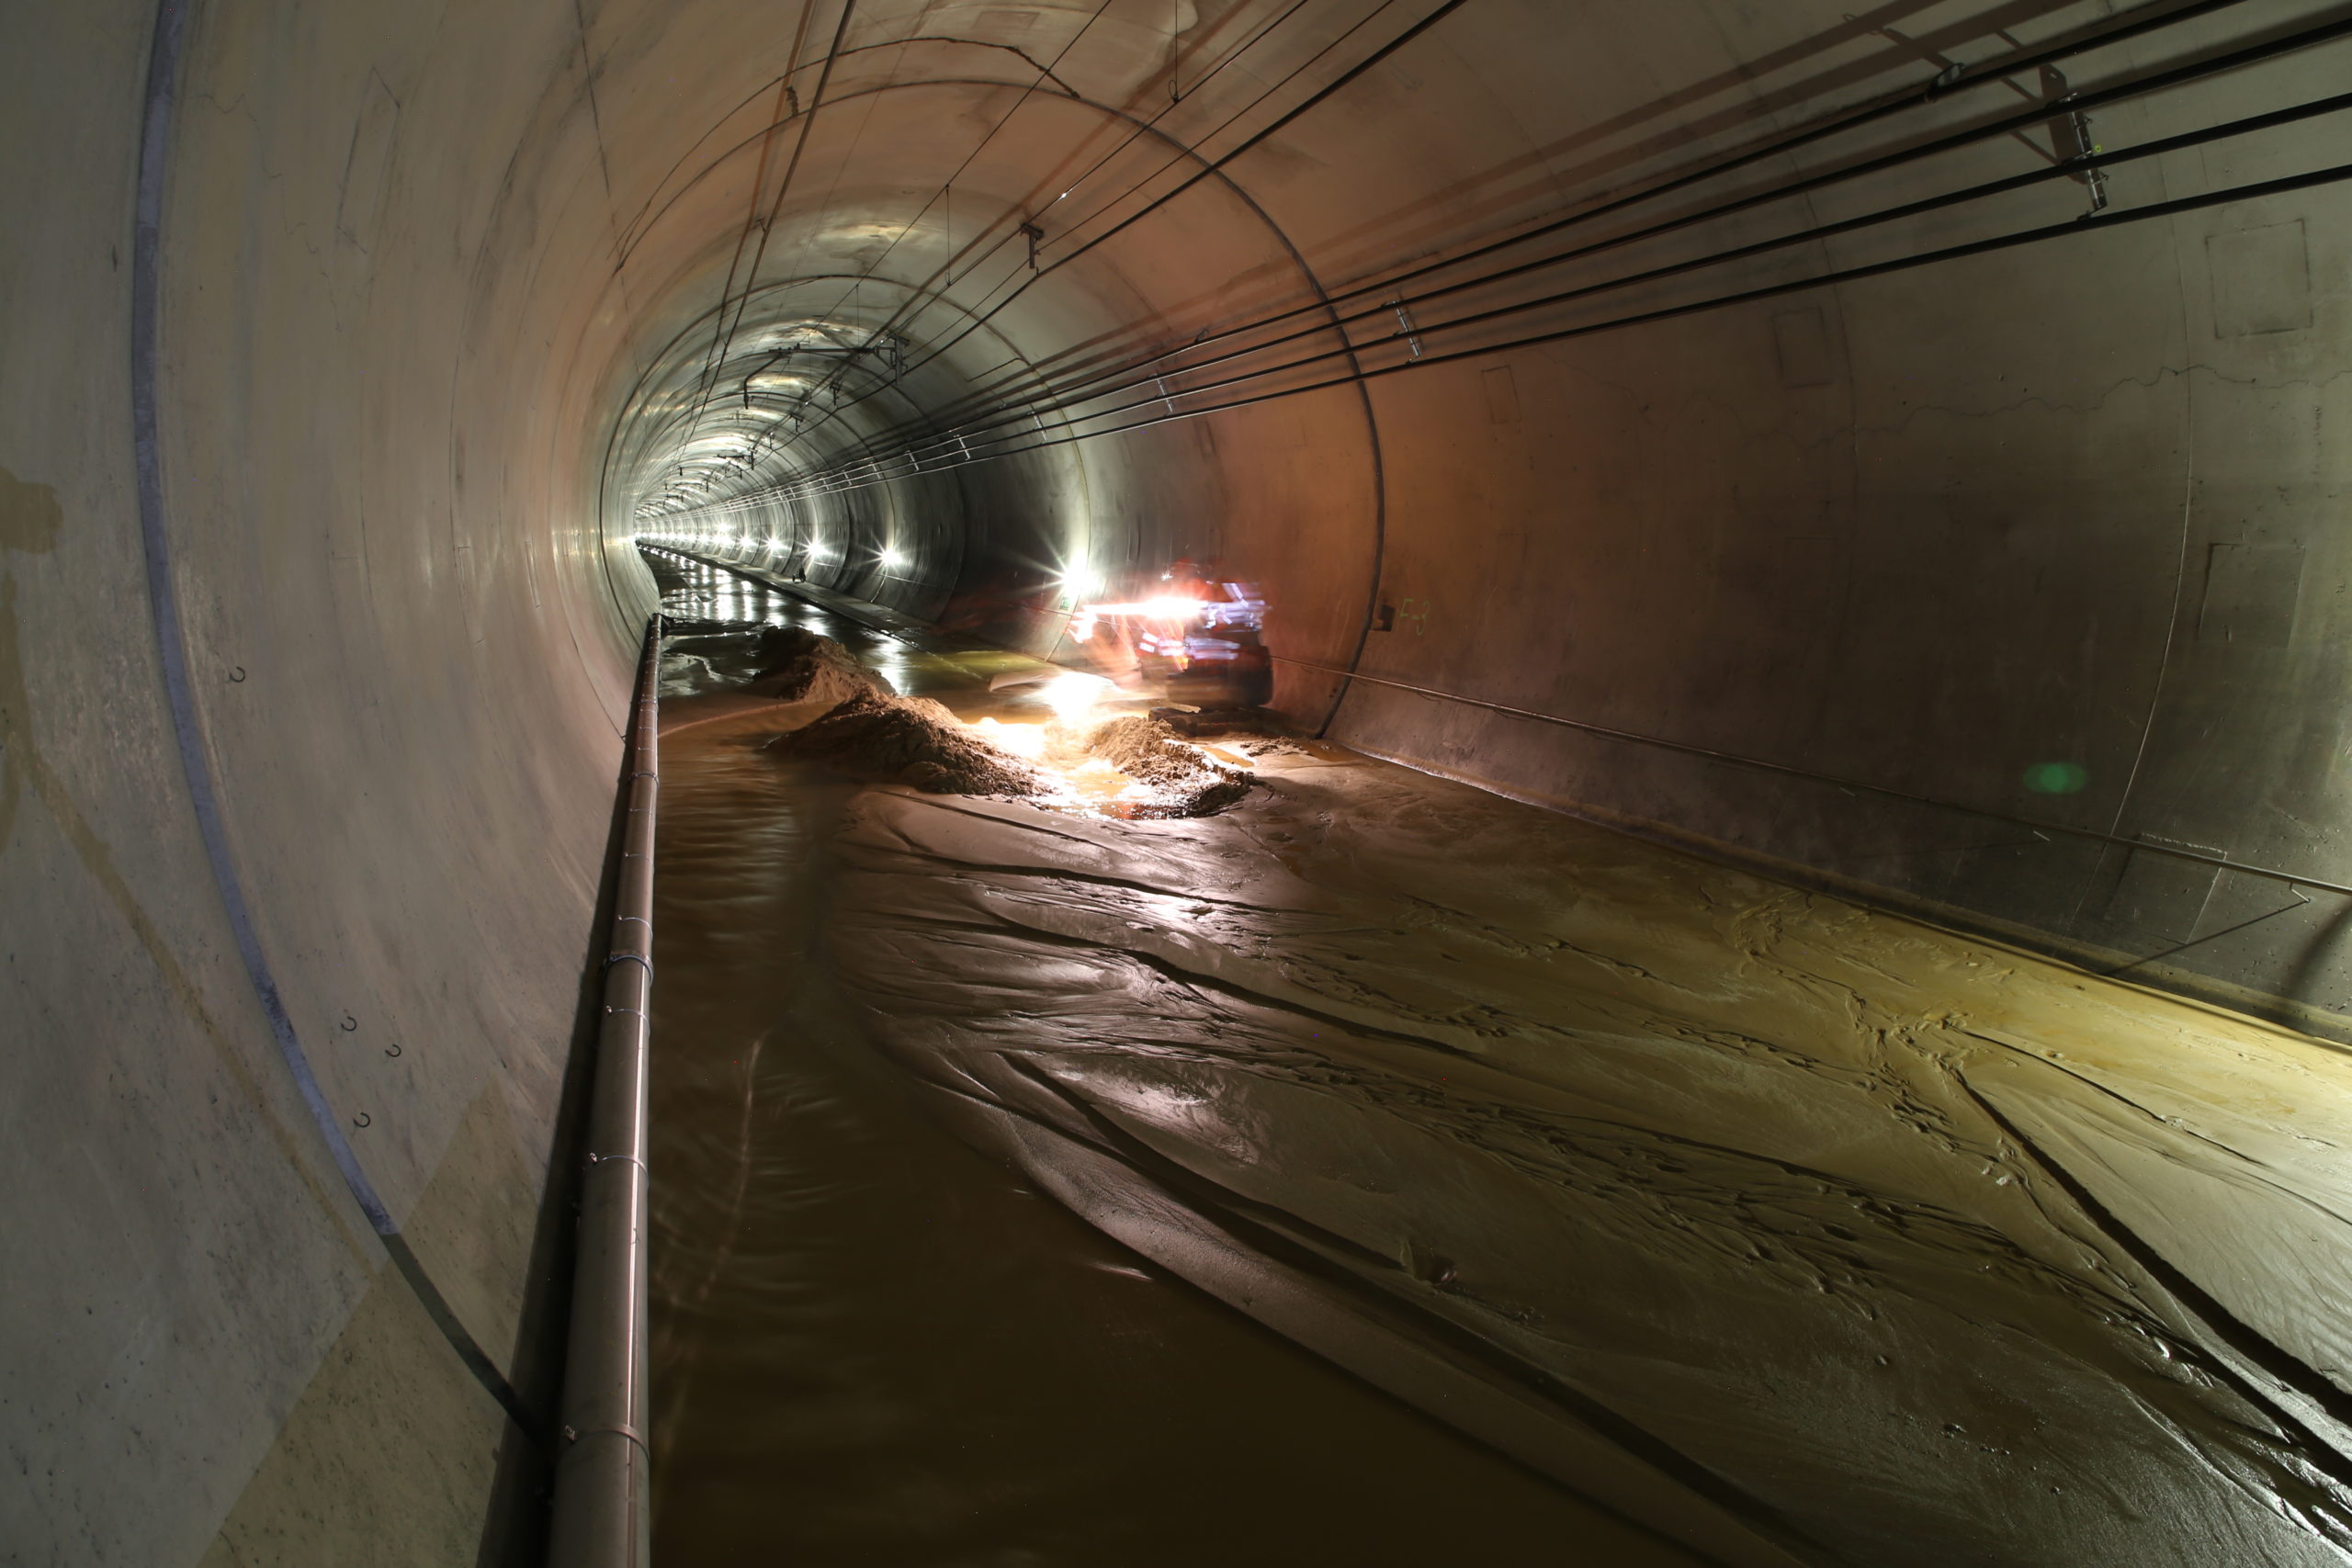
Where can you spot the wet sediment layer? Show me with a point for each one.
(876, 1346)
(1799, 1232)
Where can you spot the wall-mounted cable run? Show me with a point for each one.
(1185, 382)
(1945, 87)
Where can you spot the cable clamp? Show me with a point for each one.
(573, 1434)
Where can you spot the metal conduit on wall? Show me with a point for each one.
(856, 468)
(603, 1515)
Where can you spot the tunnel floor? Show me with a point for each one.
(1788, 1229)
(875, 1345)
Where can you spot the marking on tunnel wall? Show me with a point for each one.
(31, 516)
(2251, 594)
(1801, 342)
(2162, 895)
(366, 169)
(2261, 280)
(1502, 396)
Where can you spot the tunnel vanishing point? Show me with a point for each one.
(1898, 452)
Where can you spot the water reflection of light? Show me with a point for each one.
(1077, 782)
(1165, 1105)
(1021, 739)
(1072, 695)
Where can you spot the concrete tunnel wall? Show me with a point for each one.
(437, 285)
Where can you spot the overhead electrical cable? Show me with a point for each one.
(2277, 117)
(946, 187)
(707, 394)
(1945, 85)
(1075, 395)
(1209, 169)
(2095, 223)
(1942, 86)
(1135, 132)
(871, 464)
(724, 333)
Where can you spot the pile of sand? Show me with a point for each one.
(1178, 780)
(822, 671)
(874, 735)
(783, 664)
(914, 741)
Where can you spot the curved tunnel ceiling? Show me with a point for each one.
(1772, 388)
(1903, 448)
(929, 255)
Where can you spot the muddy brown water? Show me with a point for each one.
(1798, 1233)
(876, 1346)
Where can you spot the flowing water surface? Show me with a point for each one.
(876, 1346)
(1795, 1232)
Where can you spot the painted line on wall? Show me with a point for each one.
(146, 305)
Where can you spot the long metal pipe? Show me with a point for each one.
(603, 1469)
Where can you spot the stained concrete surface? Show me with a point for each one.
(387, 1457)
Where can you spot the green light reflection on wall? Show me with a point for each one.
(2057, 778)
